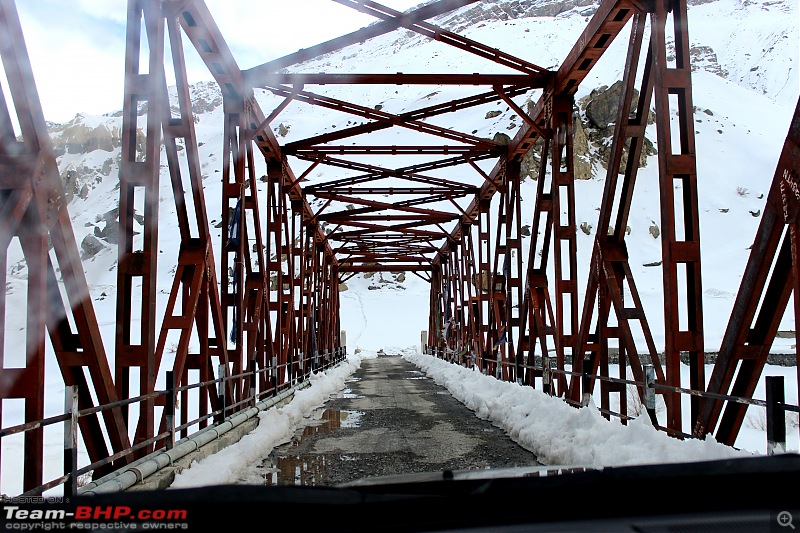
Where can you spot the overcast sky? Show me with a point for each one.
(77, 47)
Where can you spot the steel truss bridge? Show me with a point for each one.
(488, 307)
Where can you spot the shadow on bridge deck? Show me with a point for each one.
(390, 419)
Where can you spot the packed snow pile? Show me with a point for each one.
(275, 427)
(559, 434)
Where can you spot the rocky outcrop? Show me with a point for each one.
(395, 281)
(601, 108)
(490, 10)
(602, 105)
(580, 148)
(206, 97)
(593, 129)
(91, 246)
(704, 58)
(78, 138)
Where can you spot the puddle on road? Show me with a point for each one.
(416, 374)
(308, 469)
(349, 394)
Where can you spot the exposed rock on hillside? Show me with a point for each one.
(601, 108)
(704, 58)
(489, 10)
(593, 130)
(91, 246)
(580, 147)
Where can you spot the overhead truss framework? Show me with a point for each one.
(262, 305)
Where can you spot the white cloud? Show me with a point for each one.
(258, 32)
(77, 49)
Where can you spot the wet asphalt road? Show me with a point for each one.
(390, 419)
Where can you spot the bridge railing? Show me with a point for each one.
(775, 404)
(165, 439)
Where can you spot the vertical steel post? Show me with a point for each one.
(586, 387)
(222, 390)
(769, 279)
(139, 181)
(680, 238)
(169, 409)
(650, 393)
(71, 441)
(565, 249)
(253, 377)
(33, 207)
(776, 416)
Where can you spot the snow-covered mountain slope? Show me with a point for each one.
(745, 87)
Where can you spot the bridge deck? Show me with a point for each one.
(391, 419)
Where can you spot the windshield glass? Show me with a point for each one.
(343, 243)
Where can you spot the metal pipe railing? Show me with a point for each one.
(306, 365)
(775, 404)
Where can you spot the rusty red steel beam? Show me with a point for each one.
(409, 173)
(378, 173)
(262, 79)
(359, 36)
(682, 279)
(395, 242)
(385, 251)
(386, 268)
(368, 214)
(374, 255)
(344, 218)
(402, 228)
(607, 22)
(385, 239)
(752, 328)
(372, 229)
(404, 242)
(394, 150)
(402, 206)
(609, 259)
(427, 199)
(419, 114)
(370, 113)
(447, 163)
(396, 239)
(136, 346)
(35, 209)
(392, 190)
(195, 277)
(376, 205)
(203, 32)
(413, 246)
(440, 197)
(210, 45)
(365, 255)
(447, 37)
